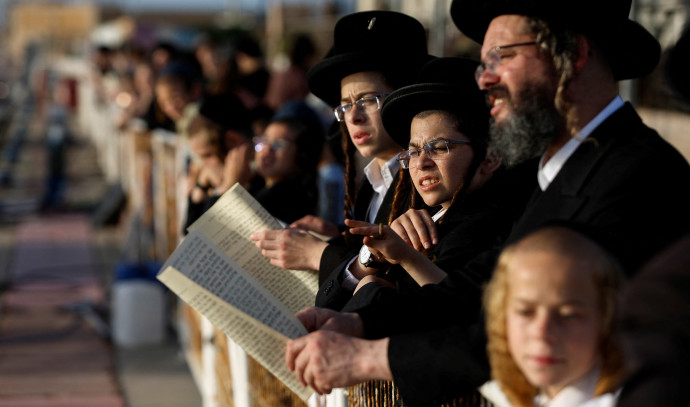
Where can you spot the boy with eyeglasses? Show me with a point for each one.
(373, 53)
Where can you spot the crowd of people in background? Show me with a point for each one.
(491, 223)
(241, 122)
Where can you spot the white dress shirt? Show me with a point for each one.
(578, 394)
(547, 172)
(380, 178)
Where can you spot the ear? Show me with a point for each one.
(486, 168)
(584, 53)
(489, 165)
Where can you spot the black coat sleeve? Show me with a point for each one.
(430, 368)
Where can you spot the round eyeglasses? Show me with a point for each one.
(435, 149)
(493, 59)
(368, 105)
(261, 143)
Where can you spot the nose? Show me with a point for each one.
(487, 79)
(544, 327)
(356, 115)
(424, 160)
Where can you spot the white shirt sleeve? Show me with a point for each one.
(349, 280)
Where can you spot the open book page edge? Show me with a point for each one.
(217, 218)
(272, 340)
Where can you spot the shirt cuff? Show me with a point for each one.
(349, 281)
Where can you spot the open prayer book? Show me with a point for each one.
(221, 273)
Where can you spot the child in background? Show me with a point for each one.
(178, 90)
(550, 308)
(286, 157)
(219, 139)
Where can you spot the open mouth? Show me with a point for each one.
(428, 183)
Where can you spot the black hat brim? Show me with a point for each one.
(324, 78)
(401, 106)
(631, 50)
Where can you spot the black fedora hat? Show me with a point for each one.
(444, 84)
(631, 50)
(384, 41)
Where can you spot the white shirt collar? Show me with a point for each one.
(380, 179)
(547, 173)
(438, 214)
(573, 395)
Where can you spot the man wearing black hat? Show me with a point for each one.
(550, 71)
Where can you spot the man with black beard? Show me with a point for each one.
(551, 72)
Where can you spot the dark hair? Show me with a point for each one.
(561, 45)
(180, 73)
(309, 142)
(478, 136)
(301, 50)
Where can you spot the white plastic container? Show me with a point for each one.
(137, 313)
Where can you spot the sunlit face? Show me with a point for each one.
(366, 129)
(278, 159)
(520, 68)
(553, 319)
(172, 100)
(209, 154)
(437, 179)
(520, 91)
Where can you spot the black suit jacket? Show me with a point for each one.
(624, 182)
(339, 249)
(655, 327)
(476, 223)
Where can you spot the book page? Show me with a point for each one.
(230, 222)
(201, 261)
(260, 341)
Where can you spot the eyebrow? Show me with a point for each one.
(413, 144)
(361, 95)
(571, 302)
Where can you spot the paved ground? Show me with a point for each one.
(55, 275)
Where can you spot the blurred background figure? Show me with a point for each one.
(287, 155)
(252, 74)
(219, 137)
(178, 90)
(332, 177)
(290, 83)
(56, 138)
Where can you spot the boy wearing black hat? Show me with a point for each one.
(551, 79)
(373, 53)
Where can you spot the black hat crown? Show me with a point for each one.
(388, 42)
(444, 84)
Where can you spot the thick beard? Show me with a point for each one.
(528, 131)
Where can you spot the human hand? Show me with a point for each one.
(316, 225)
(416, 228)
(210, 175)
(325, 360)
(237, 166)
(290, 248)
(382, 241)
(387, 246)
